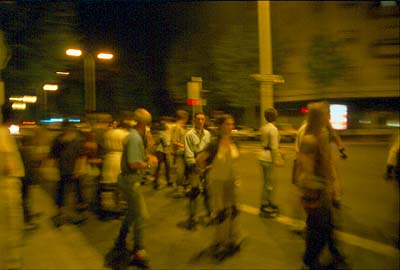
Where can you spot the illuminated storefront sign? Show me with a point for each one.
(338, 116)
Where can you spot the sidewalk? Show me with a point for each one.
(49, 247)
(269, 243)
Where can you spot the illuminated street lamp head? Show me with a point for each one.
(105, 56)
(50, 87)
(73, 52)
(63, 73)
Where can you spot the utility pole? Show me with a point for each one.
(266, 76)
(4, 57)
(89, 70)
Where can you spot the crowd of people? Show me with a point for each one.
(120, 156)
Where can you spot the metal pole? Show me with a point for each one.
(90, 83)
(45, 103)
(264, 32)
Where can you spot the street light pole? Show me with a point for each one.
(47, 87)
(89, 70)
(266, 77)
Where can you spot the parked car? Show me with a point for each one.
(245, 133)
(287, 132)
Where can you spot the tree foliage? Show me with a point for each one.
(224, 54)
(37, 35)
(325, 62)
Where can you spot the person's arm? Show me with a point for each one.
(337, 140)
(392, 161)
(299, 136)
(274, 145)
(189, 153)
(201, 160)
(326, 156)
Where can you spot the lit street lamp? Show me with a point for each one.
(51, 88)
(89, 70)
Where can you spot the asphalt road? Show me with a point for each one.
(370, 203)
(368, 220)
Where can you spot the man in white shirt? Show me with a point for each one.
(269, 158)
(196, 140)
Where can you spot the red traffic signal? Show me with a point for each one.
(193, 102)
(304, 110)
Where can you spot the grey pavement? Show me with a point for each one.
(269, 243)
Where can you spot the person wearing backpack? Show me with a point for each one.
(219, 163)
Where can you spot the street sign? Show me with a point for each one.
(193, 90)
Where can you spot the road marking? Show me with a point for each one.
(350, 239)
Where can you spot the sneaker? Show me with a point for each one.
(30, 226)
(232, 249)
(311, 267)
(191, 224)
(274, 206)
(179, 193)
(139, 259)
(78, 219)
(157, 187)
(59, 220)
(82, 207)
(337, 264)
(171, 184)
(268, 212)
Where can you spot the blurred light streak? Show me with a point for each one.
(14, 129)
(18, 106)
(52, 120)
(392, 123)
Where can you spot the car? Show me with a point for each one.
(287, 132)
(244, 133)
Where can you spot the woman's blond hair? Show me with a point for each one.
(315, 116)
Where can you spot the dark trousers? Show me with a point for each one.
(198, 190)
(162, 159)
(319, 233)
(61, 188)
(26, 183)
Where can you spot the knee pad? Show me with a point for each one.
(194, 193)
(234, 212)
(221, 216)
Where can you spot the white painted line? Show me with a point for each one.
(350, 239)
(368, 244)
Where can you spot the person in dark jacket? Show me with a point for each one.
(67, 151)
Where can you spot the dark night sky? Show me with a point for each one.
(135, 30)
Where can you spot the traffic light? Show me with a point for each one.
(304, 110)
(193, 102)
